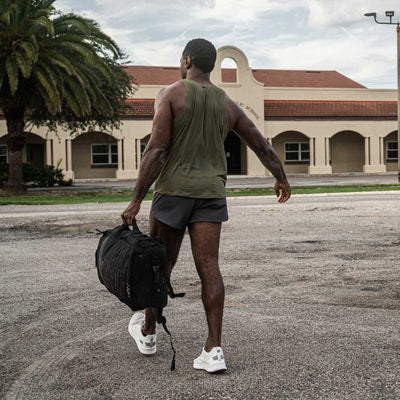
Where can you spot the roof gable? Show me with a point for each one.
(148, 75)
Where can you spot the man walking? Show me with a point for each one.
(185, 156)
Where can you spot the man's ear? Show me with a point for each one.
(188, 62)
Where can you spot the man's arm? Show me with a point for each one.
(154, 155)
(246, 129)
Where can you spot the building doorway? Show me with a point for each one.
(347, 152)
(233, 154)
(35, 154)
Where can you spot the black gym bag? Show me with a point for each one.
(133, 267)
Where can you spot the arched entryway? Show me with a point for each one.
(94, 155)
(34, 151)
(236, 156)
(347, 152)
(293, 149)
(391, 152)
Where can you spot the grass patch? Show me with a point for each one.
(115, 196)
(312, 190)
(71, 197)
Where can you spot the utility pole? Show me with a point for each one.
(390, 14)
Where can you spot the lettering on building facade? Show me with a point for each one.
(248, 108)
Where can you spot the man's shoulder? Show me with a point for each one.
(172, 91)
(174, 87)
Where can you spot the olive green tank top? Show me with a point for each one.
(196, 162)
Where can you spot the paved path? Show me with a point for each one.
(241, 181)
(312, 306)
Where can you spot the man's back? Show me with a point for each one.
(186, 152)
(196, 162)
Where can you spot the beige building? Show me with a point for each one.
(320, 122)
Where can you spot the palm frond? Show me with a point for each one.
(46, 23)
(12, 73)
(29, 48)
(79, 93)
(48, 84)
(24, 63)
(66, 67)
(73, 103)
(61, 61)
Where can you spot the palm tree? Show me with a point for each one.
(55, 69)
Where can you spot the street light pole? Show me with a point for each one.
(390, 14)
(398, 101)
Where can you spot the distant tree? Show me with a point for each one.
(56, 69)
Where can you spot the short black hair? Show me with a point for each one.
(202, 52)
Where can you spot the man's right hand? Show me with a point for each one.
(283, 190)
(130, 213)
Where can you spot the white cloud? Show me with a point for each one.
(287, 34)
(325, 13)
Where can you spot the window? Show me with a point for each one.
(297, 152)
(142, 148)
(3, 153)
(392, 152)
(104, 154)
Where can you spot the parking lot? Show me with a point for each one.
(312, 305)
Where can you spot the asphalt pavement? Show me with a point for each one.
(311, 308)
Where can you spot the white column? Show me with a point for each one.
(138, 154)
(49, 152)
(120, 155)
(382, 150)
(366, 151)
(374, 163)
(327, 153)
(128, 149)
(59, 153)
(68, 173)
(312, 152)
(318, 157)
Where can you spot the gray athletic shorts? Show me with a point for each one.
(178, 212)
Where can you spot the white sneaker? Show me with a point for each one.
(212, 361)
(146, 344)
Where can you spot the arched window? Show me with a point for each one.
(229, 70)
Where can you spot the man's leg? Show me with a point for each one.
(173, 237)
(204, 238)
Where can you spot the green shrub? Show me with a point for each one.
(29, 172)
(45, 176)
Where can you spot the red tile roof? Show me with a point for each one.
(326, 109)
(141, 107)
(301, 109)
(312, 79)
(145, 75)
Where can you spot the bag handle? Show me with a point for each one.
(135, 228)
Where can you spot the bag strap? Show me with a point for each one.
(135, 228)
(162, 320)
(171, 292)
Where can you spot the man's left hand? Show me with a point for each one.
(130, 213)
(283, 191)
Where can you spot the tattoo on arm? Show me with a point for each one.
(246, 129)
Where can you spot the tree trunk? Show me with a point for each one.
(15, 142)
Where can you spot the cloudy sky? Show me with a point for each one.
(274, 34)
